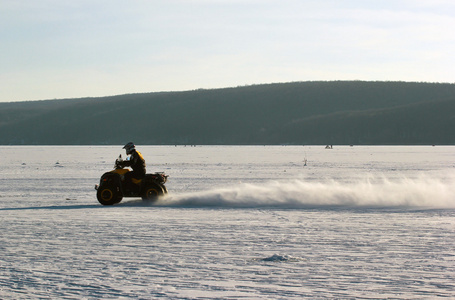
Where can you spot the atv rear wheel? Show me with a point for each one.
(152, 192)
(108, 195)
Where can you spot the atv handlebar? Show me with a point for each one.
(119, 162)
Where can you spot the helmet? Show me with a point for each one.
(129, 147)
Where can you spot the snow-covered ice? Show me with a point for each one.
(239, 222)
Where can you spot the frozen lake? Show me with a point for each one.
(239, 222)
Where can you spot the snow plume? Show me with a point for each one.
(421, 192)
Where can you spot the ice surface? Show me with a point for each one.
(239, 222)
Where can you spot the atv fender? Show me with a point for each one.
(111, 179)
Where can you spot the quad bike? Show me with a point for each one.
(113, 188)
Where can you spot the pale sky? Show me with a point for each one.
(52, 49)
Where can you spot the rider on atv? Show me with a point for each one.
(121, 182)
(135, 161)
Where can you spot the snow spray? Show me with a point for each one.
(420, 192)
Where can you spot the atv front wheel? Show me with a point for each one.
(152, 192)
(108, 195)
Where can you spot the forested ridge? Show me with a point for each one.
(301, 113)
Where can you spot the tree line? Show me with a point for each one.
(301, 113)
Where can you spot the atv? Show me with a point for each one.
(113, 188)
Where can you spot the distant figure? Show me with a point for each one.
(136, 161)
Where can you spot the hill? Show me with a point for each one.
(335, 112)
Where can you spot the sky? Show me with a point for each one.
(53, 49)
